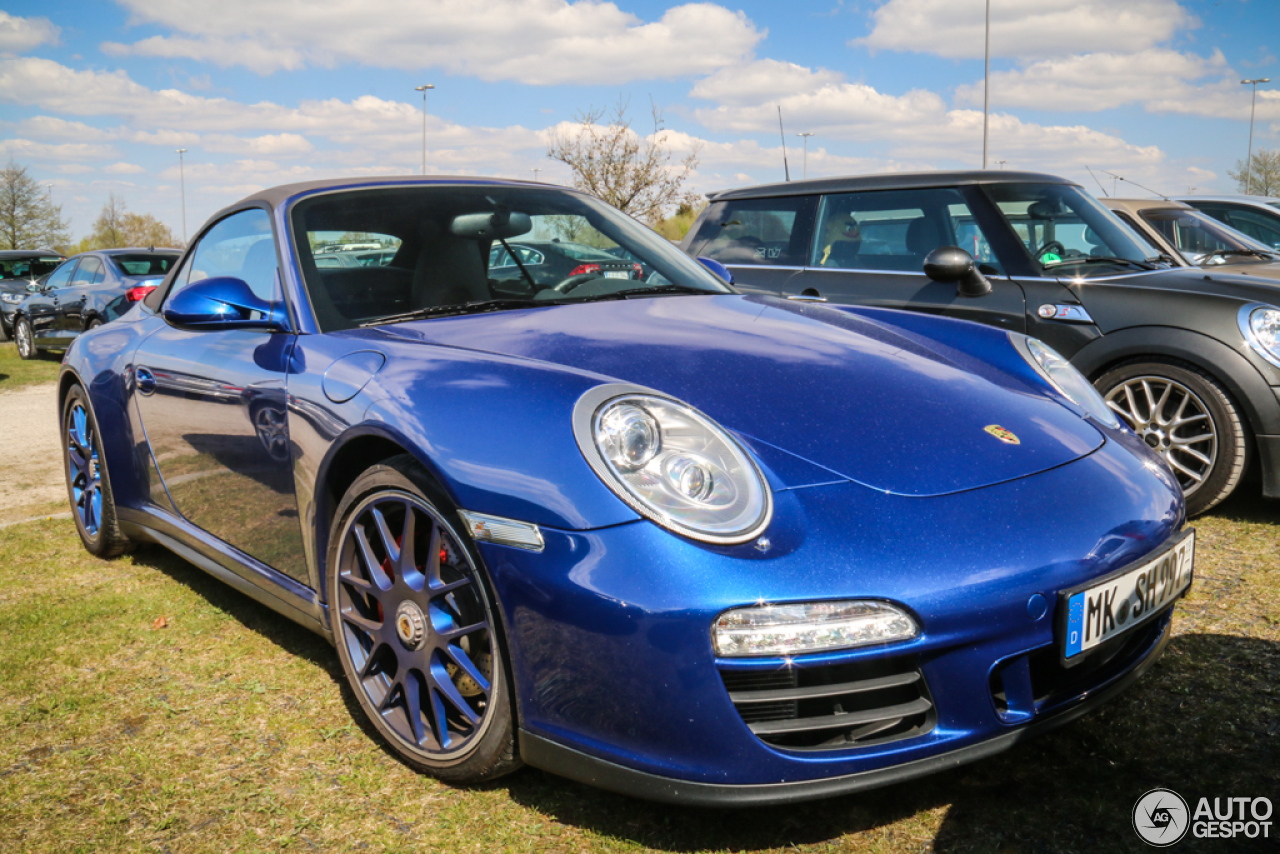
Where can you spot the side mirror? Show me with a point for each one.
(953, 264)
(223, 302)
(716, 268)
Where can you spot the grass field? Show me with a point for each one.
(15, 373)
(145, 706)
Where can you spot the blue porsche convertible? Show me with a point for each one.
(642, 531)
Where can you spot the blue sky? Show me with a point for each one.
(95, 97)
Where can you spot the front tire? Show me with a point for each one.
(88, 486)
(25, 339)
(416, 632)
(1187, 417)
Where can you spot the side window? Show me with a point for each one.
(90, 271)
(1259, 226)
(241, 246)
(61, 277)
(896, 229)
(771, 232)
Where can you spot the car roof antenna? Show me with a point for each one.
(1095, 177)
(1136, 184)
(783, 135)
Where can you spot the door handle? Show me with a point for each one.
(145, 379)
(809, 295)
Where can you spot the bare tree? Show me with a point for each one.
(1263, 178)
(28, 219)
(634, 174)
(108, 228)
(116, 227)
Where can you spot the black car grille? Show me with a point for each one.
(829, 707)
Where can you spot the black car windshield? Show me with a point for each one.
(460, 249)
(1203, 239)
(28, 268)
(137, 264)
(1068, 232)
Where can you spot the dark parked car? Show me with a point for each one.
(548, 263)
(20, 271)
(658, 536)
(1256, 216)
(88, 290)
(1191, 361)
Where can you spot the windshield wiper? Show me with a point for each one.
(660, 289)
(478, 307)
(1214, 253)
(1103, 259)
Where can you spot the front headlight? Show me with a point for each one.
(809, 627)
(14, 299)
(1060, 374)
(672, 464)
(1260, 326)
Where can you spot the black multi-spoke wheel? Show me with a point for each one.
(1187, 418)
(415, 629)
(270, 424)
(88, 488)
(24, 338)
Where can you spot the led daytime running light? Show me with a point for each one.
(809, 627)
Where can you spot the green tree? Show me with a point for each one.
(28, 219)
(634, 174)
(117, 227)
(676, 226)
(1263, 179)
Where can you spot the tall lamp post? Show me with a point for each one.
(423, 90)
(1248, 163)
(986, 86)
(182, 186)
(806, 136)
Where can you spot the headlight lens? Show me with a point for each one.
(1260, 325)
(809, 627)
(1065, 378)
(672, 464)
(12, 298)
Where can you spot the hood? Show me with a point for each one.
(892, 410)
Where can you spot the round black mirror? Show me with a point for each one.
(953, 264)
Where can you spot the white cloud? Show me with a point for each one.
(123, 169)
(26, 150)
(166, 138)
(272, 144)
(53, 128)
(19, 35)
(763, 81)
(530, 41)
(1024, 28)
(1099, 81)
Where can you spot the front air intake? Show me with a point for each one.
(829, 707)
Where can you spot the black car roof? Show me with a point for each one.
(9, 254)
(888, 181)
(273, 196)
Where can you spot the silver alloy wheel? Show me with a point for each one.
(22, 334)
(1173, 421)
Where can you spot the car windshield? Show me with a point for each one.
(463, 249)
(28, 268)
(145, 263)
(1203, 239)
(1068, 232)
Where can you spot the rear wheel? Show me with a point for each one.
(93, 324)
(88, 487)
(24, 338)
(1189, 419)
(416, 632)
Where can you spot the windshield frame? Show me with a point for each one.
(663, 257)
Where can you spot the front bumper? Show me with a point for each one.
(617, 684)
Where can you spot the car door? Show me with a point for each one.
(213, 405)
(71, 299)
(763, 241)
(870, 247)
(42, 309)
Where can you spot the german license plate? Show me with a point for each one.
(617, 274)
(1127, 599)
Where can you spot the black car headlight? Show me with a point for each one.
(1063, 376)
(672, 464)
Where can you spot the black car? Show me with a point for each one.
(559, 264)
(20, 270)
(1188, 357)
(84, 292)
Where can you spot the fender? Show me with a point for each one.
(1237, 374)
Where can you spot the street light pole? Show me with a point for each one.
(423, 90)
(535, 170)
(182, 185)
(986, 87)
(806, 136)
(1248, 162)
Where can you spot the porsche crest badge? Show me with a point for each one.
(1002, 434)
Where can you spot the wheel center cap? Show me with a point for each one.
(411, 625)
